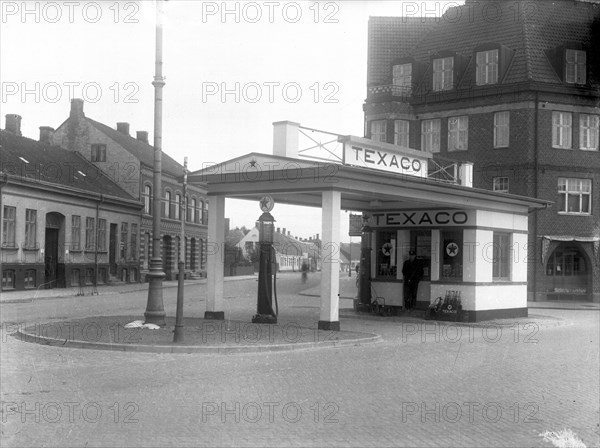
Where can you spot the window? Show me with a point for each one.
(177, 206)
(124, 232)
(167, 204)
(9, 219)
(386, 254)
(430, 135)
(452, 255)
(98, 153)
(487, 67)
(565, 261)
(442, 73)
(574, 196)
(576, 67)
(193, 210)
(561, 130)
(500, 184)
(205, 212)
(379, 131)
(188, 210)
(102, 234)
(29, 278)
(75, 232)
(588, 132)
(501, 256)
(89, 276)
(147, 199)
(8, 279)
(401, 135)
(501, 129)
(90, 234)
(402, 79)
(458, 133)
(134, 237)
(30, 228)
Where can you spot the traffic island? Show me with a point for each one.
(200, 336)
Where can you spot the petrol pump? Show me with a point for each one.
(264, 307)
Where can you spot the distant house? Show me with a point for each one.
(129, 162)
(290, 252)
(349, 256)
(64, 222)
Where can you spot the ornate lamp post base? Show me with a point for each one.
(264, 319)
(155, 312)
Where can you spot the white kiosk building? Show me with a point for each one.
(469, 240)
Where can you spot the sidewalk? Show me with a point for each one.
(121, 288)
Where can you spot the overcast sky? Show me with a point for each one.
(299, 61)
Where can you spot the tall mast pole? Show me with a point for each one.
(155, 312)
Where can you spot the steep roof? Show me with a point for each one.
(392, 38)
(529, 28)
(35, 161)
(142, 151)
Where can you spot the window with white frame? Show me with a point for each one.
(430, 135)
(379, 131)
(147, 199)
(500, 184)
(401, 133)
(443, 73)
(588, 132)
(90, 234)
(167, 204)
(101, 234)
(575, 70)
(9, 221)
(402, 79)
(562, 123)
(30, 228)
(501, 256)
(75, 232)
(458, 133)
(193, 210)
(487, 67)
(501, 129)
(574, 196)
(177, 205)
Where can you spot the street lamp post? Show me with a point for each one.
(155, 311)
(178, 334)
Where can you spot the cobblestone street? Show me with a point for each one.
(423, 385)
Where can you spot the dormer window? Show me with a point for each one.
(98, 153)
(402, 79)
(487, 67)
(443, 70)
(575, 69)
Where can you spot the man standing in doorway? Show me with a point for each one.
(412, 272)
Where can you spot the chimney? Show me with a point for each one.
(46, 134)
(13, 124)
(123, 127)
(317, 237)
(142, 136)
(289, 233)
(278, 229)
(284, 231)
(77, 107)
(285, 139)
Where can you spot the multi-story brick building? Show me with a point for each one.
(129, 162)
(60, 216)
(514, 87)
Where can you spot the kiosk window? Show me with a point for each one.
(421, 241)
(452, 255)
(386, 254)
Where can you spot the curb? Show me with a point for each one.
(189, 349)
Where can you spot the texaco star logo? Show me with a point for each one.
(267, 203)
(386, 249)
(452, 249)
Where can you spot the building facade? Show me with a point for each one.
(514, 89)
(129, 162)
(61, 217)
